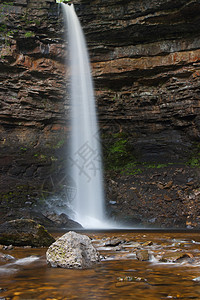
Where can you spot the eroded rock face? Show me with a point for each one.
(72, 251)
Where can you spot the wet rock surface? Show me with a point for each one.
(24, 233)
(72, 251)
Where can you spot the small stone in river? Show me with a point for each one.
(176, 257)
(126, 278)
(112, 242)
(131, 279)
(142, 255)
(147, 243)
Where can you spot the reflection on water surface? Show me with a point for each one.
(119, 276)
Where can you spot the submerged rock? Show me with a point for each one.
(24, 233)
(72, 251)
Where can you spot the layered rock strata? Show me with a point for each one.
(32, 99)
(145, 57)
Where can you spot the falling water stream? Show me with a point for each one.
(84, 153)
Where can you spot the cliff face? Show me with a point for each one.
(32, 84)
(145, 58)
(146, 62)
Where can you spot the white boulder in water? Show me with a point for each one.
(72, 251)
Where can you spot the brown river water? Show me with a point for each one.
(120, 275)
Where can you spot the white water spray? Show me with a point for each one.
(84, 153)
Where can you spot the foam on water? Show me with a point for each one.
(26, 260)
(14, 266)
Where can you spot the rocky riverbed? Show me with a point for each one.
(134, 264)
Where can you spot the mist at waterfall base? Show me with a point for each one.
(84, 157)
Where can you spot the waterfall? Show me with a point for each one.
(84, 154)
